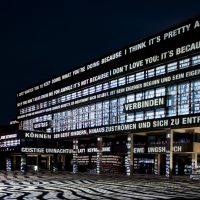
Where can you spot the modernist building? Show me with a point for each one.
(136, 110)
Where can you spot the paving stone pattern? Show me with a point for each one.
(83, 186)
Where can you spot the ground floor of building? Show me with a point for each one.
(165, 152)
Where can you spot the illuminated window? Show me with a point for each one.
(122, 81)
(106, 107)
(139, 116)
(172, 67)
(92, 116)
(74, 119)
(121, 114)
(74, 95)
(184, 63)
(139, 76)
(29, 108)
(139, 96)
(92, 90)
(79, 94)
(58, 100)
(106, 86)
(130, 117)
(33, 106)
(85, 117)
(131, 78)
(195, 96)
(80, 118)
(68, 97)
(149, 94)
(63, 99)
(160, 70)
(171, 100)
(160, 113)
(99, 88)
(149, 114)
(130, 98)
(99, 113)
(113, 111)
(160, 91)
(53, 101)
(85, 92)
(150, 73)
(196, 60)
(183, 98)
(113, 83)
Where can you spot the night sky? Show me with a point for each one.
(41, 39)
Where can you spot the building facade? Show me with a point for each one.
(136, 110)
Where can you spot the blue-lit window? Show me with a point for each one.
(113, 83)
(139, 116)
(74, 95)
(99, 113)
(150, 73)
(74, 119)
(196, 60)
(106, 86)
(85, 117)
(53, 102)
(85, 92)
(183, 98)
(62, 99)
(92, 90)
(106, 107)
(149, 94)
(149, 114)
(92, 117)
(160, 70)
(172, 67)
(130, 117)
(113, 111)
(139, 96)
(79, 94)
(160, 113)
(130, 98)
(80, 118)
(139, 76)
(99, 88)
(184, 63)
(160, 91)
(131, 78)
(195, 96)
(68, 97)
(33, 106)
(171, 100)
(122, 81)
(121, 115)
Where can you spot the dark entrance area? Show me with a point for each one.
(144, 164)
(182, 164)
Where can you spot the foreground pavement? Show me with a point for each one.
(89, 186)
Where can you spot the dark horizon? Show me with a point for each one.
(40, 40)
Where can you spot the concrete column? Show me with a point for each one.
(157, 164)
(63, 162)
(99, 155)
(8, 164)
(23, 165)
(39, 162)
(55, 162)
(194, 162)
(14, 163)
(49, 162)
(75, 156)
(169, 153)
(129, 158)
